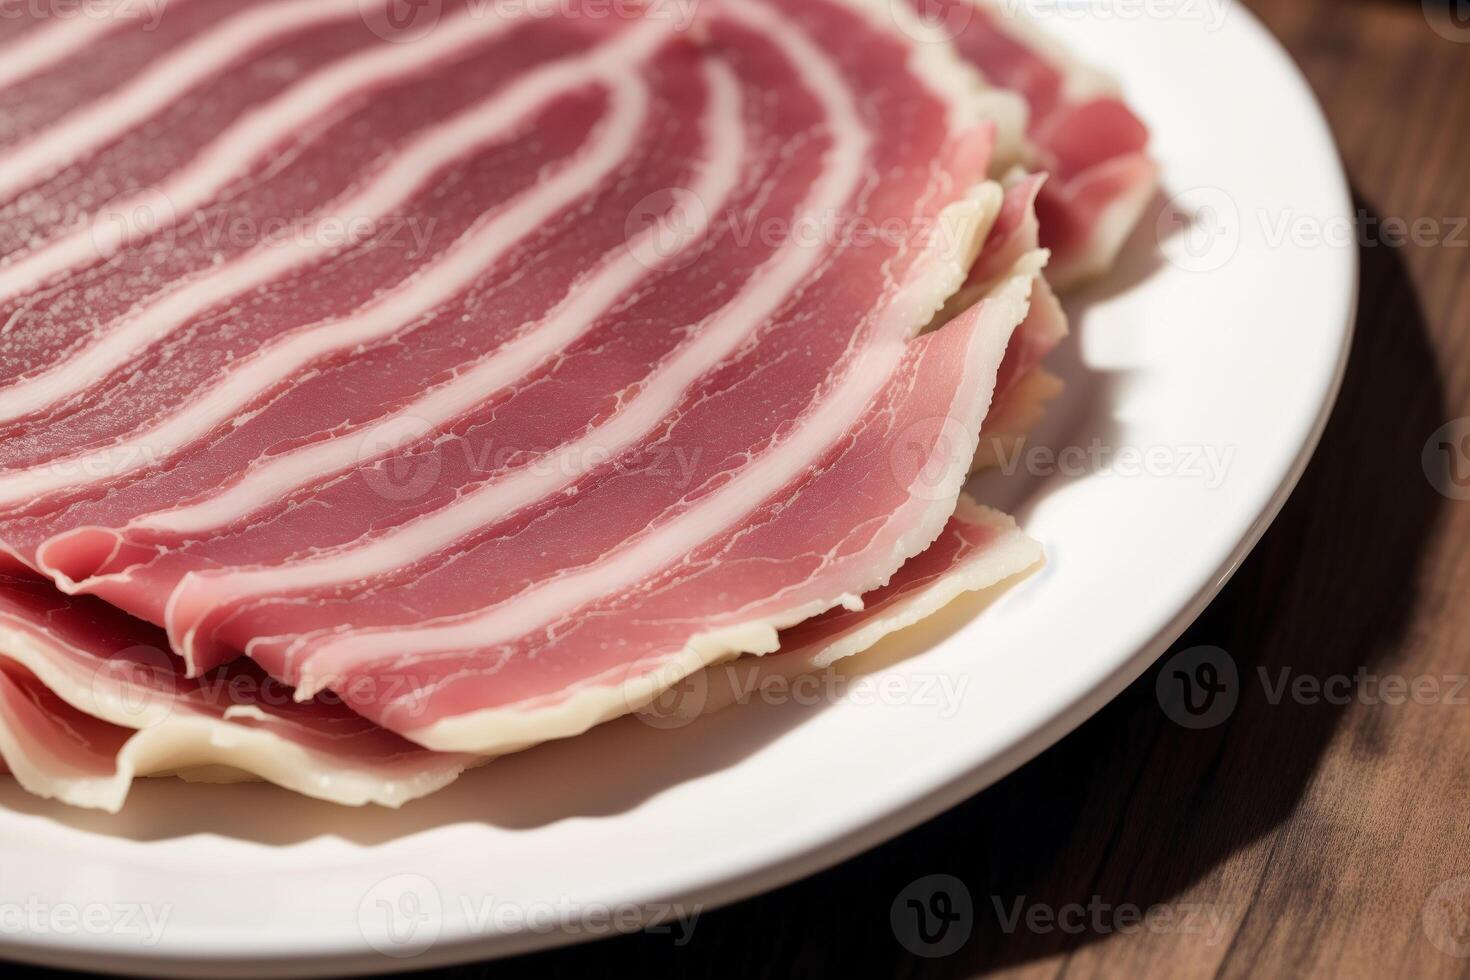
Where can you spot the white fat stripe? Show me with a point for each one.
(722, 335)
(448, 277)
(588, 300)
(55, 41)
(478, 126)
(103, 121)
(543, 605)
(247, 142)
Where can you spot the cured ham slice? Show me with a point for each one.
(237, 725)
(644, 387)
(1082, 134)
(981, 550)
(1023, 386)
(89, 700)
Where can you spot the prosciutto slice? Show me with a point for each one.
(1081, 133)
(1022, 386)
(640, 386)
(981, 550)
(89, 700)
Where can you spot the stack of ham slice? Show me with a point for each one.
(378, 397)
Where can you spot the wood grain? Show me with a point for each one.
(1296, 837)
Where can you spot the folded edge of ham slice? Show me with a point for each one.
(1081, 132)
(963, 357)
(1023, 386)
(89, 701)
(63, 749)
(981, 550)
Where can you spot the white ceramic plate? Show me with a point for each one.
(1226, 344)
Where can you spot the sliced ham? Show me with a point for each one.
(1081, 133)
(646, 390)
(1023, 386)
(89, 700)
(981, 550)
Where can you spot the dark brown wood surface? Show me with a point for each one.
(1301, 836)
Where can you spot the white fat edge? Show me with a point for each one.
(1080, 80)
(967, 223)
(1025, 407)
(188, 744)
(971, 99)
(1111, 232)
(997, 568)
(171, 739)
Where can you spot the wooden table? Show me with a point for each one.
(1302, 835)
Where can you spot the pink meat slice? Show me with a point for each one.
(980, 550)
(639, 401)
(1082, 134)
(108, 666)
(95, 110)
(109, 350)
(1022, 386)
(89, 699)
